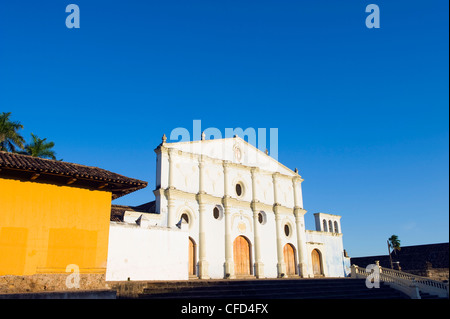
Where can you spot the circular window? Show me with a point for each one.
(239, 189)
(185, 217)
(216, 213)
(287, 230)
(262, 218)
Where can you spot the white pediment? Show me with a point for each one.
(235, 150)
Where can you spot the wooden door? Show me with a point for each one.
(191, 257)
(241, 255)
(316, 263)
(289, 259)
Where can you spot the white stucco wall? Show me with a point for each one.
(332, 251)
(146, 253)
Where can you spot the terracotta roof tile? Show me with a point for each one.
(118, 211)
(42, 166)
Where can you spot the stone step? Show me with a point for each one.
(337, 294)
(207, 290)
(424, 295)
(343, 288)
(252, 285)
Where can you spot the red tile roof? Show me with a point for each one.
(118, 211)
(39, 169)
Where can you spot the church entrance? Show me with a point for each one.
(289, 259)
(192, 264)
(316, 263)
(241, 256)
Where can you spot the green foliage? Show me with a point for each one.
(10, 139)
(394, 243)
(39, 148)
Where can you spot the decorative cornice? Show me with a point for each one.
(299, 212)
(226, 201)
(162, 148)
(204, 198)
(296, 179)
(173, 193)
(158, 192)
(329, 215)
(327, 233)
(258, 206)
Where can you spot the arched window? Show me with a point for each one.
(330, 226)
(185, 216)
(336, 228)
(325, 228)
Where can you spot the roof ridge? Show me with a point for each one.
(50, 160)
(34, 164)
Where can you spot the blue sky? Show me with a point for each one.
(363, 113)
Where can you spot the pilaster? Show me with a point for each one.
(229, 263)
(281, 265)
(300, 225)
(202, 259)
(259, 265)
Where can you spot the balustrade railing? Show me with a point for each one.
(410, 284)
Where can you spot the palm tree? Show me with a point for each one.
(9, 137)
(394, 244)
(39, 148)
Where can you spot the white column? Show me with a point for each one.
(171, 222)
(226, 188)
(172, 154)
(259, 266)
(275, 187)
(202, 260)
(170, 201)
(301, 249)
(299, 213)
(281, 265)
(201, 173)
(229, 263)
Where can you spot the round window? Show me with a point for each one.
(287, 230)
(216, 213)
(262, 217)
(239, 189)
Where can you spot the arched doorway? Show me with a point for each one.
(241, 256)
(317, 262)
(289, 259)
(192, 264)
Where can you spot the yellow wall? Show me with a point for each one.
(44, 228)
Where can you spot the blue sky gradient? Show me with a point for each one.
(362, 113)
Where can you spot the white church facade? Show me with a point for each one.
(223, 209)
